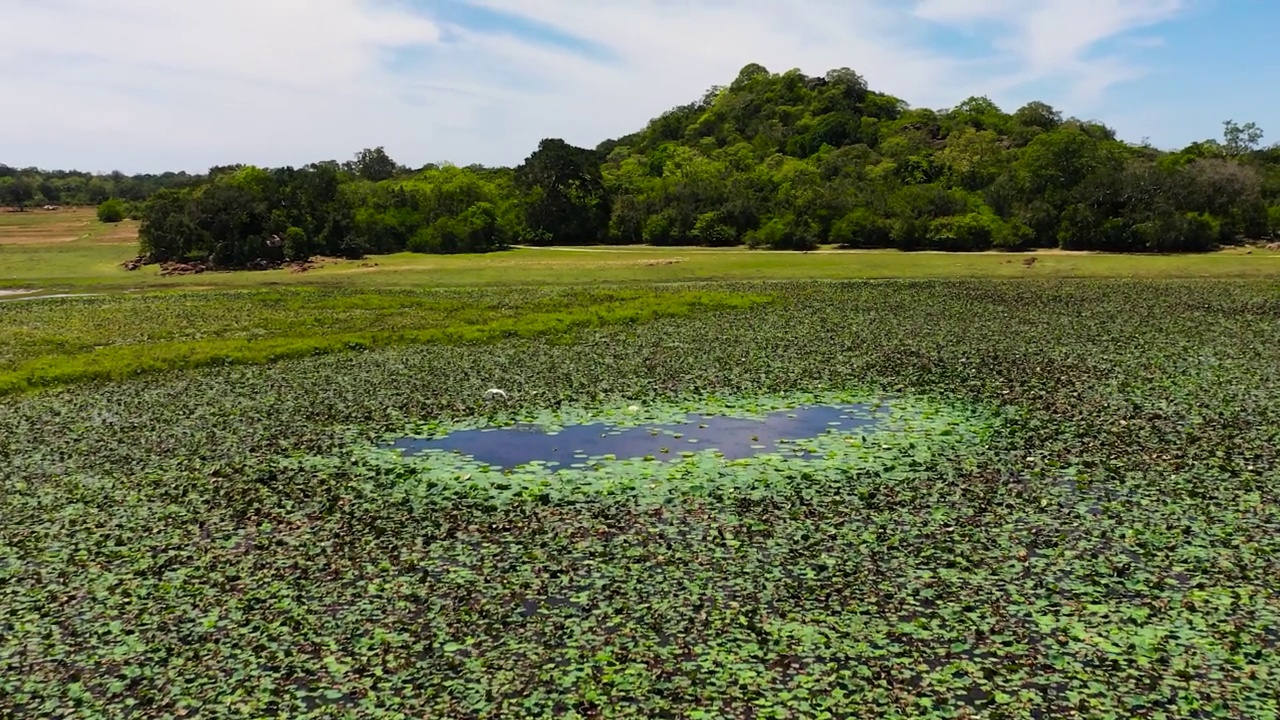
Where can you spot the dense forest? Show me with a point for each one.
(782, 161)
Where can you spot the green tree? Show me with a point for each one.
(374, 164)
(862, 228)
(111, 211)
(565, 195)
(1038, 115)
(17, 191)
(972, 159)
(1240, 139)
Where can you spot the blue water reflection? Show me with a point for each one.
(579, 445)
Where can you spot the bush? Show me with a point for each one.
(972, 231)
(1013, 235)
(1190, 232)
(909, 233)
(784, 233)
(1196, 232)
(660, 229)
(475, 230)
(296, 246)
(711, 230)
(862, 228)
(1273, 220)
(1079, 229)
(112, 211)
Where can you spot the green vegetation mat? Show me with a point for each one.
(1080, 521)
(65, 340)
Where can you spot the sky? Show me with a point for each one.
(154, 85)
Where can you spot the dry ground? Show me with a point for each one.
(43, 227)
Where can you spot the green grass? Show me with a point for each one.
(60, 341)
(1080, 519)
(90, 268)
(92, 265)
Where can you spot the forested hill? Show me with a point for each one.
(772, 160)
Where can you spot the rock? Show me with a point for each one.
(172, 268)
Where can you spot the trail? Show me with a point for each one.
(26, 296)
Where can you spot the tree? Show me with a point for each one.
(1240, 139)
(17, 191)
(111, 211)
(972, 158)
(862, 228)
(168, 230)
(296, 244)
(1038, 114)
(1059, 160)
(566, 200)
(748, 74)
(374, 164)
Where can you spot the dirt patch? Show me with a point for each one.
(124, 233)
(662, 261)
(48, 227)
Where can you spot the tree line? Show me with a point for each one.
(774, 160)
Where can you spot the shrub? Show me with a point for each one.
(972, 231)
(1079, 229)
(296, 246)
(784, 233)
(711, 230)
(909, 233)
(1191, 232)
(660, 229)
(111, 211)
(862, 228)
(1273, 220)
(1013, 235)
(1196, 232)
(475, 230)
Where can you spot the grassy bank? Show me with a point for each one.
(81, 255)
(59, 341)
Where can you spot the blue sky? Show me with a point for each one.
(150, 85)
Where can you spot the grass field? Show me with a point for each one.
(70, 251)
(1075, 511)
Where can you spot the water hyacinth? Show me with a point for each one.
(1075, 515)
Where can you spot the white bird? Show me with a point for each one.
(493, 393)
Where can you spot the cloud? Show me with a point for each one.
(1058, 38)
(155, 83)
(158, 84)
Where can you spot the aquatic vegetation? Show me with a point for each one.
(59, 343)
(881, 447)
(1078, 516)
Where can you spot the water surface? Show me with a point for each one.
(578, 445)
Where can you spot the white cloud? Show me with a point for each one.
(159, 84)
(1058, 38)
